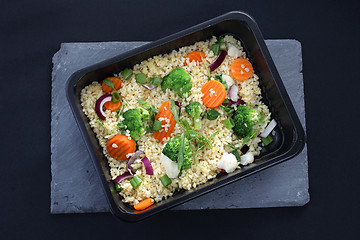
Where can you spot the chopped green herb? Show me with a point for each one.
(207, 68)
(236, 154)
(118, 187)
(148, 106)
(266, 141)
(186, 124)
(110, 84)
(101, 123)
(136, 182)
(215, 48)
(143, 102)
(140, 78)
(195, 154)
(174, 111)
(232, 146)
(180, 158)
(115, 97)
(212, 114)
(219, 78)
(228, 108)
(217, 45)
(126, 73)
(229, 123)
(199, 136)
(155, 81)
(201, 143)
(157, 125)
(165, 180)
(118, 113)
(214, 134)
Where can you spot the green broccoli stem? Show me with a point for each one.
(197, 123)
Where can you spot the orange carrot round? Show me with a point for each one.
(116, 81)
(241, 69)
(119, 146)
(168, 122)
(112, 106)
(144, 204)
(195, 56)
(214, 94)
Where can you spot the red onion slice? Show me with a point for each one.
(218, 60)
(148, 167)
(178, 104)
(132, 159)
(122, 177)
(268, 129)
(100, 104)
(149, 86)
(233, 93)
(238, 102)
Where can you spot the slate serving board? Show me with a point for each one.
(75, 187)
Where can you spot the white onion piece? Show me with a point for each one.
(268, 129)
(100, 104)
(233, 92)
(229, 80)
(148, 167)
(228, 162)
(132, 160)
(171, 167)
(247, 158)
(233, 51)
(122, 177)
(149, 87)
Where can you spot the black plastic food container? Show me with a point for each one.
(289, 138)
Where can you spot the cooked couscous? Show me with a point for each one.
(208, 142)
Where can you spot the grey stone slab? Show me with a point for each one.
(75, 188)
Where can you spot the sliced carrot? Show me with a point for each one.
(119, 146)
(116, 81)
(144, 204)
(112, 106)
(214, 94)
(195, 56)
(168, 122)
(241, 69)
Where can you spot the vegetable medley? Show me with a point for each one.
(177, 120)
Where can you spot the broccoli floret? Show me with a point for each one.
(178, 80)
(194, 110)
(171, 150)
(144, 113)
(133, 121)
(244, 119)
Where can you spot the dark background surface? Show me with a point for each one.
(31, 32)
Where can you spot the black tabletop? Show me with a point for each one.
(31, 32)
